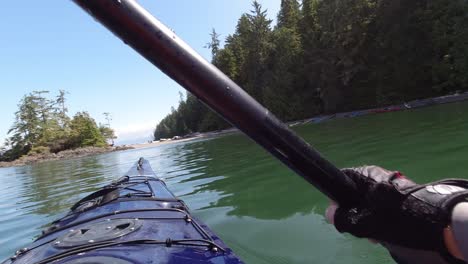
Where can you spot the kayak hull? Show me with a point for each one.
(135, 219)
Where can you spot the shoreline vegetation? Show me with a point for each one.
(91, 151)
(411, 105)
(378, 55)
(324, 57)
(42, 130)
(35, 158)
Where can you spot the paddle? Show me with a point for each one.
(158, 44)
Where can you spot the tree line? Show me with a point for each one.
(326, 56)
(42, 125)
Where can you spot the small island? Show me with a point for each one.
(43, 131)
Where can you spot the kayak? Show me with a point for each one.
(135, 219)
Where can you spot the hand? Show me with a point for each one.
(395, 210)
(404, 255)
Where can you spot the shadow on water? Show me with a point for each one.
(251, 182)
(248, 180)
(251, 199)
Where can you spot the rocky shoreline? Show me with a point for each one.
(66, 154)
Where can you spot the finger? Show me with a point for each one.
(330, 212)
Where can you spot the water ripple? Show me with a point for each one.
(260, 208)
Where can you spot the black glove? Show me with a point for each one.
(396, 210)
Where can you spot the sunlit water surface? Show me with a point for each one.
(262, 210)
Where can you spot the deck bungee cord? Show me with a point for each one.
(136, 219)
(141, 222)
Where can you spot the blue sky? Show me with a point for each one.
(53, 45)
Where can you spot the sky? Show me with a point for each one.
(54, 45)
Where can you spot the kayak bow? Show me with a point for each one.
(135, 219)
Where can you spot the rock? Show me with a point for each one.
(66, 154)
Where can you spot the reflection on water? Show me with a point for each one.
(261, 209)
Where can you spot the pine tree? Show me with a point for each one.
(214, 44)
(26, 129)
(85, 132)
(337, 55)
(284, 89)
(289, 14)
(106, 131)
(257, 49)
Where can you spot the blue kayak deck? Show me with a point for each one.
(135, 219)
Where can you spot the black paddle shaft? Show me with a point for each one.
(158, 44)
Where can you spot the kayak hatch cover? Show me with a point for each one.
(133, 220)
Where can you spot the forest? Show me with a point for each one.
(42, 126)
(327, 56)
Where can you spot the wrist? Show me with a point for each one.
(451, 243)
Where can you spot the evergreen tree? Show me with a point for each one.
(28, 125)
(328, 56)
(106, 131)
(214, 44)
(85, 132)
(42, 125)
(289, 14)
(313, 56)
(61, 109)
(284, 89)
(257, 48)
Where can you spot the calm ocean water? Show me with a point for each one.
(260, 208)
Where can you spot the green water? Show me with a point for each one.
(261, 209)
